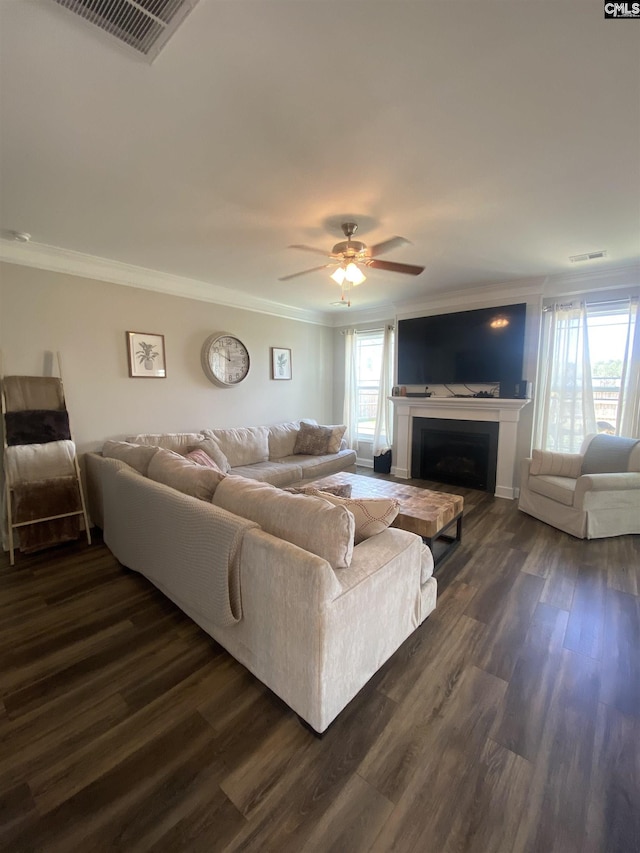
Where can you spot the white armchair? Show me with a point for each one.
(591, 494)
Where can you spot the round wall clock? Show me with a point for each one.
(225, 359)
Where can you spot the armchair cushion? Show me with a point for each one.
(556, 464)
(560, 489)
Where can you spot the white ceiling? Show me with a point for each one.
(498, 137)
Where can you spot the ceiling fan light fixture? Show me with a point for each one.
(338, 276)
(354, 274)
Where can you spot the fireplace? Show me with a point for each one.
(501, 412)
(461, 453)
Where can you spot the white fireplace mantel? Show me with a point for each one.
(504, 411)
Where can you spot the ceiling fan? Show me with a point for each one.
(348, 255)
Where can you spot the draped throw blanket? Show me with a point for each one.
(43, 498)
(36, 426)
(608, 454)
(24, 393)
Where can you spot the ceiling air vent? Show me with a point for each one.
(144, 25)
(589, 256)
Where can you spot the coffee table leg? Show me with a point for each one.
(452, 541)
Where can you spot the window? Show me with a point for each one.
(589, 376)
(368, 375)
(368, 367)
(607, 326)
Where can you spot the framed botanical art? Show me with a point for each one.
(280, 363)
(146, 355)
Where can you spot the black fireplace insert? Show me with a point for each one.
(460, 453)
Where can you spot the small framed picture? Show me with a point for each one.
(146, 355)
(280, 363)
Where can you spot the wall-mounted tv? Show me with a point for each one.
(481, 346)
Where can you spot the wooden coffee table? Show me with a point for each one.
(431, 515)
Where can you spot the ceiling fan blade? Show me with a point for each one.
(392, 266)
(322, 252)
(304, 272)
(386, 246)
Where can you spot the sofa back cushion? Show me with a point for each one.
(316, 440)
(176, 441)
(137, 456)
(242, 445)
(282, 439)
(185, 476)
(311, 523)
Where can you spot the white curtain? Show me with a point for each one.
(629, 401)
(350, 410)
(383, 432)
(565, 409)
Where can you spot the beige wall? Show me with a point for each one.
(86, 320)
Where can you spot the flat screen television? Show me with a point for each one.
(481, 346)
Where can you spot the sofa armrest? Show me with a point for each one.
(623, 481)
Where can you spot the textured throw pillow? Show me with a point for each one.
(213, 451)
(183, 475)
(371, 515)
(341, 491)
(317, 440)
(202, 458)
(136, 455)
(555, 464)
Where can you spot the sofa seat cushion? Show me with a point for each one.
(137, 456)
(560, 489)
(308, 522)
(317, 440)
(179, 442)
(316, 467)
(270, 472)
(185, 476)
(242, 445)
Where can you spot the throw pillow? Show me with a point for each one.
(371, 515)
(137, 456)
(341, 491)
(555, 464)
(185, 476)
(317, 440)
(201, 458)
(213, 451)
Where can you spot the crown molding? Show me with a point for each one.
(604, 278)
(527, 289)
(68, 262)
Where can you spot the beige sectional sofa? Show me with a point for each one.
(276, 578)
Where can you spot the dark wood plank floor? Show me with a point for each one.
(509, 721)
